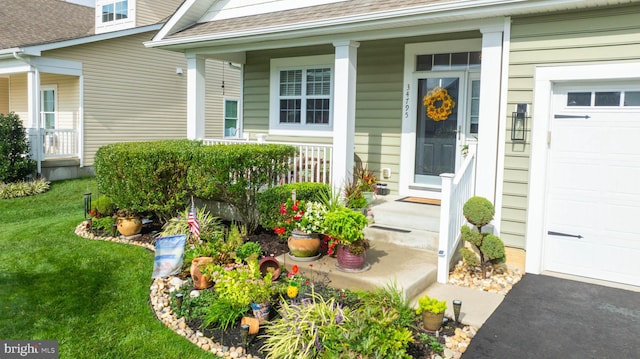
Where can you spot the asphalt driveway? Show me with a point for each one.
(549, 317)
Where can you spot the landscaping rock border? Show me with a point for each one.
(501, 281)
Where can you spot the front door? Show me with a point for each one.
(436, 128)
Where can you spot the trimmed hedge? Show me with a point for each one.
(146, 176)
(268, 201)
(159, 176)
(235, 174)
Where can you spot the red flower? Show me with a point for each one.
(279, 230)
(283, 209)
(295, 206)
(294, 269)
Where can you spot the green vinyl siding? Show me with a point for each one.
(604, 35)
(378, 99)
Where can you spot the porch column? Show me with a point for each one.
(33, 108)
(488, 131)
(195, 96)
(344, 110)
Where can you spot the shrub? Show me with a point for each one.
(235, 174)
(146, 176)
(488, 247)
(15, 162)
(304, 328)
(22, 189)
(249, 249)
(269, 200)
(224, 313)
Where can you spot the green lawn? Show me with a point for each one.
(91, 296)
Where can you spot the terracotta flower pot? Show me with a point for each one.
(350, 261)
(431, 321)
(254, 324)
(129, 226)
(270, 264)
(200, 281)
(303, 245)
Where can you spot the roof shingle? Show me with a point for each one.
(35, 22)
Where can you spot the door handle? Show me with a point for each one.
(552, 233)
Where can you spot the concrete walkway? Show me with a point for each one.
(411, 269)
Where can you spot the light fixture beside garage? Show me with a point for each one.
(519, 123)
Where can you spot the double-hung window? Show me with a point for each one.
(117, 10)
(301, 96)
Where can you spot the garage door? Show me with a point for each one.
(592, 210)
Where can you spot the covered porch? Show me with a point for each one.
(432, 229)
(47, 95)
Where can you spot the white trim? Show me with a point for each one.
(56, 66)
(290, 63)
(36, 50)
(545, 78)
(504, 80)
(81, 122)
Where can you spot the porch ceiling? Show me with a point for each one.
(353, 20)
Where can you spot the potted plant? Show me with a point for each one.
(432, 311)
(128, 222)
(301, 224)
(346, 227)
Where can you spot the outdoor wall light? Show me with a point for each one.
(87, 204)
(179, 298)
(457, 304)
(519, 123)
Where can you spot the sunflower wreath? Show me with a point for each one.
(438, 94)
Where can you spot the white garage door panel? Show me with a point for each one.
(593, 191)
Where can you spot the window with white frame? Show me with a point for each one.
(48, 104)
(301, 95)
(231, 118)
(112, 15)
(117, 10)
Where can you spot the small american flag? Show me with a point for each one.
(194, 226)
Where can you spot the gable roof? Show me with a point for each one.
(33, 22)
(183, 32)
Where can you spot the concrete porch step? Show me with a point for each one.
(403, 223)
(413, 270)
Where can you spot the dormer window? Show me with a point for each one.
(115, 11)
(112, 15)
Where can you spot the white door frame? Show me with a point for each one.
(409, 110)
(545, 79)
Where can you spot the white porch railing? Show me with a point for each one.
(456, 190)
(311, 163)
(59, 143)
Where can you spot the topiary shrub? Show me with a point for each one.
(15, 161)
(269, 200)
(486, 248)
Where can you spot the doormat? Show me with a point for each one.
(435, 202)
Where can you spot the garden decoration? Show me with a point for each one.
(293, 288)
(439, 104)
(432, 311)
(200, 280)
(457, 305)
(486, 248)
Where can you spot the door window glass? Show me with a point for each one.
(607, 99)
(48, 112)
(230, 118)
(632, 98)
